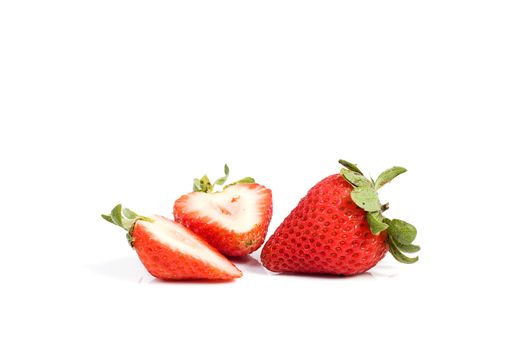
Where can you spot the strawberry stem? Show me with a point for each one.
(125, 218)
(205, 185)
(350, 166)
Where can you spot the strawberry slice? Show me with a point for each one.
(170, 251)
(234, 220)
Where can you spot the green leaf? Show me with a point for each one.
(375, 221)
(124, 217)
(220, 181)
(356, 179)
(197, 185)
(350, 166)
(130, 238)
(394, 250)
(129, 214)
(402, 231)
(407, 248)
(116, 215)
(205, 184)
(202, 185)
(244, 180)
(366, 198)
(388, 175)
(107, 218)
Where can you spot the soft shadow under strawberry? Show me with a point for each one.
(248, 264)
(201, 281)
(364, 275)
(125, 268)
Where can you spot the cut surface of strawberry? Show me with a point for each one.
(234, 220)
(238, 208)
(169, 250)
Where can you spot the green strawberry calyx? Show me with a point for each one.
(205, 185)
(125, 218)
(400, 233)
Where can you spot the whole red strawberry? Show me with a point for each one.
(234, 220)
(170, 251)
(338, 228)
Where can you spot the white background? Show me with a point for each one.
(126, 101)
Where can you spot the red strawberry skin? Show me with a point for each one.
(169, 264)
(325, 234)
(227, 241)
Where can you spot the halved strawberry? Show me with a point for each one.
(170, 251)
(234, 221)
